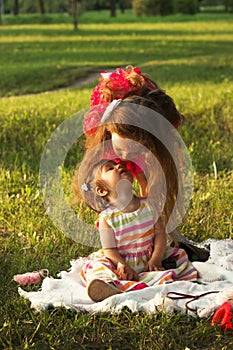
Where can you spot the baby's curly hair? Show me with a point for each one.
(86, 179)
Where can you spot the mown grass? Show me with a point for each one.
(191, 58)
(42, 57)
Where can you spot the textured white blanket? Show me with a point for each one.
(67, 290)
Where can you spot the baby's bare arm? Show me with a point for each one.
(160, 245)
(122, 270)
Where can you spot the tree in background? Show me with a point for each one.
(228, 5)
(111, 5)
(124, 4)
(189, 7)
(113, 8)
(152, 7)
(166, 7)
(16, 7)
(41, 6)
(140, 7)
(58, 6)
(75, 14)
(1, 10)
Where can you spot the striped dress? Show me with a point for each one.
(134, 237)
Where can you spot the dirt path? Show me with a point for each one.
(91, 77)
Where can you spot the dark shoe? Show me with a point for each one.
(195, 251)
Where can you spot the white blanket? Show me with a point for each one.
(215, 275)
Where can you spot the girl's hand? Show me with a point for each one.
(154, 265)
(124, 272)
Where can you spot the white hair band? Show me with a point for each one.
(110, 108)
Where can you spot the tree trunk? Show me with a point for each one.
(113, 8)
(42, 8)
(16, 7)
(226, 3)
(1, 10)
(75, 14)
(122, 6)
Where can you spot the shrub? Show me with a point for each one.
(152, 7)
(228, 5)
(138, 7)
(186, 6)
(166, 7)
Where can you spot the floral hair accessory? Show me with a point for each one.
(114, 86)
(119, 84)
(92, 119)
(85, 187)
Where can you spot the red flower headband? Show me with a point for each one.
(113, 85)
(92, 119)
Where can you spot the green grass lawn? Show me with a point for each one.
(191, 58)
(45, 56)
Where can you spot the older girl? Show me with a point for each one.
(122, 84)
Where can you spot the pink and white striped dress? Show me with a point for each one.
(134, 237)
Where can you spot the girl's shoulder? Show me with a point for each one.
(110, 210)
(113, 213)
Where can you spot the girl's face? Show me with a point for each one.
(126, 148)
(111, 173)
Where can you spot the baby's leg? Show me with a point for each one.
(100, 268)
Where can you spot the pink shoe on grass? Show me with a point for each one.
(29, 278)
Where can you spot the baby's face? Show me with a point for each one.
(112, 173)
(126, 148)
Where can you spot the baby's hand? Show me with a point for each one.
(154, 265)
(124, 272)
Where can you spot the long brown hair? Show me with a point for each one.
(156, 99)
(131, 123)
